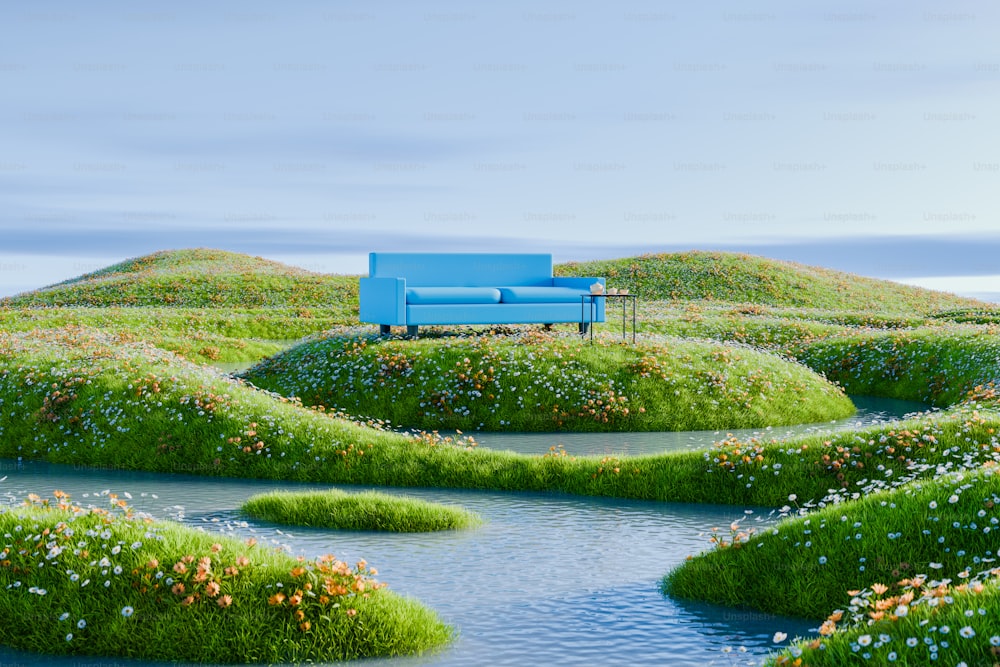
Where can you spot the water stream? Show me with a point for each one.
(548, 580)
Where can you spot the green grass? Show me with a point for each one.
(935, 365)
(206, 335)
(943, 528)
(738, 278)
(116, 584)
(197, 278)
(368, 510)
(81, 397)
(546, 382)
(951, 625)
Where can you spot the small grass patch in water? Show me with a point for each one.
(106, 582)
(368, 510)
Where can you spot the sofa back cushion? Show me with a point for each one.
(463, 269)
(423, 296)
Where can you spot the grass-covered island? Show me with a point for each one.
(368, 510)
(535, 381)
(890, 539)
(104, 581)
(907, 575)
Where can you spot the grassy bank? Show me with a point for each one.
(547, 382)
(951, 625)
(739, 278)
(942, 529)
(937, 366)
(358, 511)
(197, 278)
(114, 584)
(205, 335)
(83, 398)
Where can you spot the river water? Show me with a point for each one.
(548, 579)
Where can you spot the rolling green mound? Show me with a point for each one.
(920, 560)
(740, 278)
(548, 382)
(104, 581)
(197, 278)
(936, 365)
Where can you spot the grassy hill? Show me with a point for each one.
(740, 278)
(216, 278)
(196, 278)
(551, 382)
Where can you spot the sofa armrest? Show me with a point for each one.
(382, 300)
(583, 284)
(576, 283)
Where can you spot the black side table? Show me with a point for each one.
(587, 318)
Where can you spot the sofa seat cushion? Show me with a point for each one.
(438, 295)
(540, 295)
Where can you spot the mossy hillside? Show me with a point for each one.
(942, 528)
(118, 585)
(197, 278)
(935, 365)
(368, 510)
(740, 278)
(546, 382)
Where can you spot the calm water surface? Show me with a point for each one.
(871, 410)
(548, 580)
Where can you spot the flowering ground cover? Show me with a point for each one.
(85, 380)
(196, 278)
(82, 397)
(204, 335)
(105, 581)
(935, 365)
(535, 381)
(369, 510)
(748, 279)
(883, 569)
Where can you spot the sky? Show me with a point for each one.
(856, 135)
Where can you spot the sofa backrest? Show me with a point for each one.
(462, 269)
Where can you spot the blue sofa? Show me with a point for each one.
(413, 289)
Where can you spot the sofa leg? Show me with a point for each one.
(411, 330)
(584, 328)
(547, 327)
(384, 330)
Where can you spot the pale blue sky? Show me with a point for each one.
(857, 135)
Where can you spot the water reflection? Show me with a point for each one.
(871, 410)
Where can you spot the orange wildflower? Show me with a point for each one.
(276, 599)
(225, 601)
